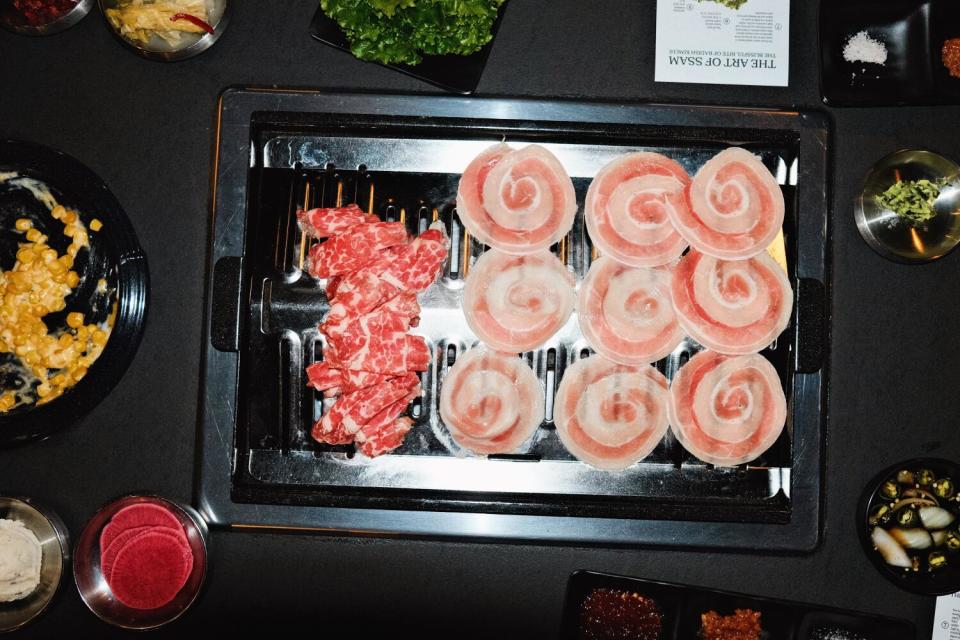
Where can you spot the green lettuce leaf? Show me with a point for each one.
(401, 31)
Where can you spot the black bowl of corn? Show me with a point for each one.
(73, 291)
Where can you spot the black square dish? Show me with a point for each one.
(458, 74)
(777, 620)
(945, 25)
(682, 606)
(913, 33)
(583, 583)
(824, 624)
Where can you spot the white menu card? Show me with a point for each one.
(946, 620)
(744, 42)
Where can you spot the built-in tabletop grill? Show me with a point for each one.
(400, 157)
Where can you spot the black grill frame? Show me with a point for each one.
(230, 493)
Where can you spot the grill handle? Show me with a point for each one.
(811, 321)
(225, 304)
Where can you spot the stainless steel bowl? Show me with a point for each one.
(191, 44)
(11, 19)
(55, 543)
(94, 589)
(896, 238)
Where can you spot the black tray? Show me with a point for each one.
(277, 151)
(683, 604)
(913, 31)
(459, 74)
(114, 255)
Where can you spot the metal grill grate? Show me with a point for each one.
(400, 157)
(292, 303)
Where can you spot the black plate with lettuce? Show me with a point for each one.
(427, 39)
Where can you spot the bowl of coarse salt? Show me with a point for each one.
(34, 552)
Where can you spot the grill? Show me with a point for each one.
(400, 157)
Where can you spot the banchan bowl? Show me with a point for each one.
(942, 581)
(191, 44)
(895, 238)
(93, 587)
(15, 21)
(55, 544)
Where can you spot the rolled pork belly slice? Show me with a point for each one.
(735, 207)
(518, 201)
(727, 410)
(628, 209)
(516, 303)
(611, 415)
(491, 402)
(731, 306)
(626, 313)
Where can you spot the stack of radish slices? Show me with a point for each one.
(145, 556)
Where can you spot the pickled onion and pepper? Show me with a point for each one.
(913, 519)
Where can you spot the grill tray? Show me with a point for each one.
(401, 157)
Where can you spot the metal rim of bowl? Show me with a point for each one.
(863, 225)
(863, 513)
(92, 529)
(205, 41)
(76, 179)
(62, 536)
(67, 20)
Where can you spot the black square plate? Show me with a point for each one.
(912, 30)
(459, 74)
(682, 606)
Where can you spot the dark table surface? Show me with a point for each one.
(147, 129)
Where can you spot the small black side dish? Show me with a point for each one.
(913, 33)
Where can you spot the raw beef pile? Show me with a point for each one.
(374, 272)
